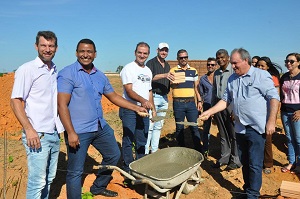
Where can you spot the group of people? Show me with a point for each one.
(242, 98)
(252, 96)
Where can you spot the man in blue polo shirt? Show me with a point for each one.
(80, 89)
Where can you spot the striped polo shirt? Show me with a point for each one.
(185, 89)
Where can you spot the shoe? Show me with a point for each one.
(267, 171)
(127, 183)
(295, 170)
(285, 169)
(217, 165)
(205, 154)
(232, 166)
(106, 193)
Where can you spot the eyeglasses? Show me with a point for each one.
(291, 61)
(183, 57)
(211, 64)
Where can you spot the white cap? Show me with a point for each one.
(163, 45)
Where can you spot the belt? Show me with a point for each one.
(184, 100)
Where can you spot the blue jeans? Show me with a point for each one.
(292, 132)
(160, 102)
(188, 110)
(135, 132)
(104, 141)
(42, 165)
(251, 152)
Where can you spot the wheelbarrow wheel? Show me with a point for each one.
(191, 183)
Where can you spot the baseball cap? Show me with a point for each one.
(163, 45)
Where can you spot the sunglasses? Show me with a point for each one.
(183, 57)
(291, 61)
(211, 64)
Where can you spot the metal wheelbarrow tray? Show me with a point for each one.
(167, 167)
(164, 170)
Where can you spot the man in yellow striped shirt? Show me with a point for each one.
(184, 105)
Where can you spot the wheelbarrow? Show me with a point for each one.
(164, 170)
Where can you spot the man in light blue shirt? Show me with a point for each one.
(80, 89)
(249, 89)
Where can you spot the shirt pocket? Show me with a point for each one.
(247, 88)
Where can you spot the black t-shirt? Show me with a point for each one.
(161, 86)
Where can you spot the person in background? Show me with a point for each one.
(205, 91)
(184, 94)
(224, 120)
(248, 91)
(160, 69)
(80, 89)
(254, 60)
(136, 80)
(265, 63)
(35, 86)
(290, 111)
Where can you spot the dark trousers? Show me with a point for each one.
(135, 133)
(268, 153)
(251, 151)
(188, 110)
(229, 152)
(206, 128)
(104, 141)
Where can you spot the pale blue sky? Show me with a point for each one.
(263, 27)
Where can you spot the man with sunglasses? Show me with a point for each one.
(160, 69)
(184, 106)
(224, 120)
(205, 91)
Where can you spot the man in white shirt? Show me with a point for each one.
(136, 80)
(35, 86)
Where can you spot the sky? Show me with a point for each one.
(263, 27)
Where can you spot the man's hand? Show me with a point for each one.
(146, 104)
(73, 140)
(270, 128)
(141, 111)
(33, 140)
(204, 116)
(199, 106)
(170, 76)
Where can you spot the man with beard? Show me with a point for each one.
(184, 100)
(160, 88)
(35, 86)
(229, 152)
(80, 89)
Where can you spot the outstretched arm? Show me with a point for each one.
(133, 95)
(221, 105)
(121, 102)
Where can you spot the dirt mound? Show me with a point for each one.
(8, 121)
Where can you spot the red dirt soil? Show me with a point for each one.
(217, 184)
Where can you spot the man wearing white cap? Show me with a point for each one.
(160, 89)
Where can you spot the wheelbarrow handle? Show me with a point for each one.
(110, 167)
(145, 181)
